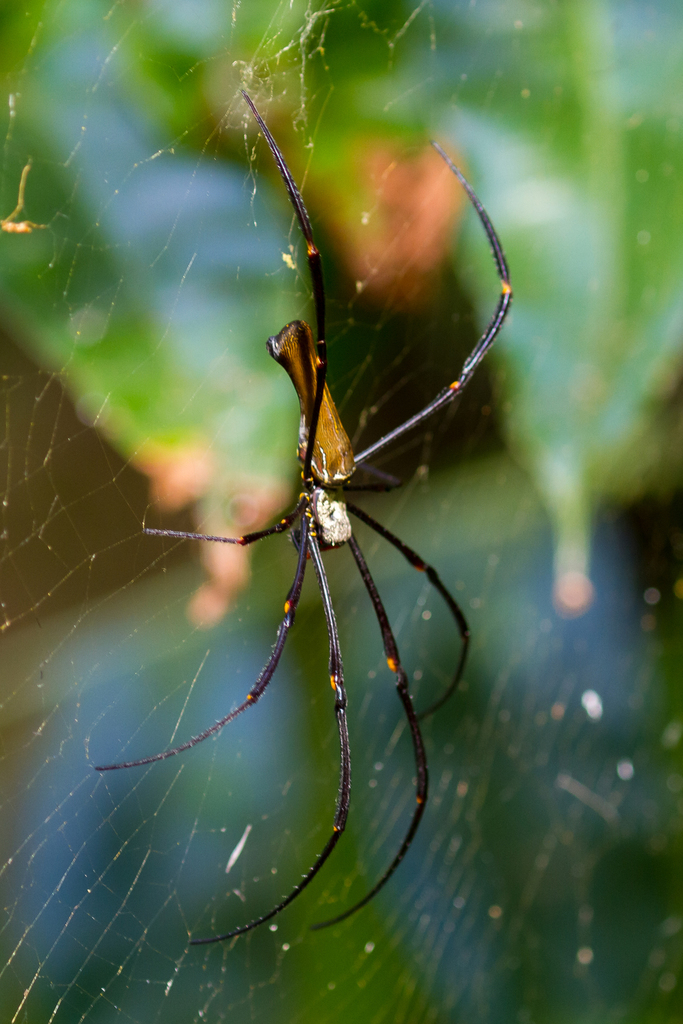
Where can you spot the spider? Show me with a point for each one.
(10, 224)
(328, 467)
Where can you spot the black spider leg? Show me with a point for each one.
(435, 580)
(488, 337)
(389, 481)
(309, 542)
(248, 538)
(394, 663)
(375, 488)
(316, 270)
(257, 689)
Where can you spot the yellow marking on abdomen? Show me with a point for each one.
(393, 664)
(333, 682)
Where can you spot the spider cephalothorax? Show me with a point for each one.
(328, 466)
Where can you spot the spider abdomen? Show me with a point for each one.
(329, 510)
(332, 462)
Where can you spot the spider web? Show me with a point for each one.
(132, 353)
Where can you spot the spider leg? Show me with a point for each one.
(316, 270)
(257, 689)
(248, 538)
(309, 543)
(448, 393)
(376, 488)
(393, 661)
(436, 582)
(389, 481)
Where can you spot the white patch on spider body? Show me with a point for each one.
(331, 516)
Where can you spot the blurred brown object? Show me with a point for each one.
(183, 476)
(393, 246)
